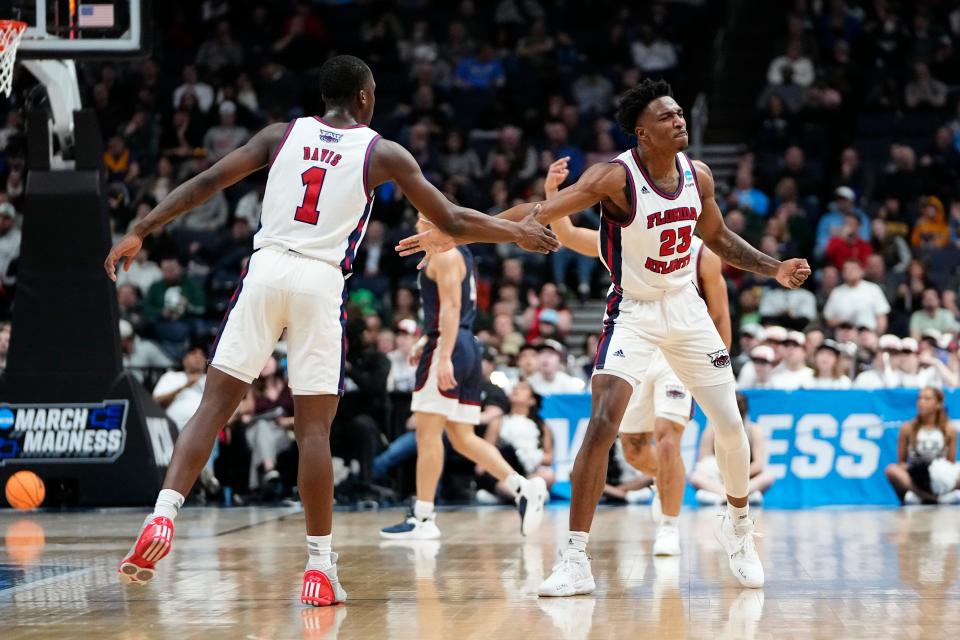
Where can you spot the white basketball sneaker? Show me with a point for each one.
(533, 495)
(413, 528)
(737, 542)
(667, 542)
(570, 577)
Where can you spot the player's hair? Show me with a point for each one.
(341, 77)
(635, 100)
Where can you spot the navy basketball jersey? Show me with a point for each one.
(430, 297)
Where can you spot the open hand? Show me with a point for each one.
(792, 273)
(556, 175)
(430, 242)
(127, 247)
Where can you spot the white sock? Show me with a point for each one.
(168, 504)
(514, 482)
(578, 541)
(318, 552)
(673, 521)
(422, 510)
(738, 515)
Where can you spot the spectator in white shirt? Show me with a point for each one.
(226, 136)
(139, 353)
(142, 274)
(857, 301)
(884, 373)
(201, 90)
(651, 53)
(773, 337)
(762, 359)
(793, 372)
(828, 368)
(179, 392)
(793, 307)
(250, 205)
(927, 368)
(800, 66)
(550, 377)
(403, 373)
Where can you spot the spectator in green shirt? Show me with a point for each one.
(932, 316)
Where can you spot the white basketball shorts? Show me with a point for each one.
(678, 323)
(281, 289)
(660, 394)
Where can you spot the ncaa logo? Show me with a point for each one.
(719, 359)
(7, 419)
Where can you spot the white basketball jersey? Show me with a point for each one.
(317, 200)
(652, 251)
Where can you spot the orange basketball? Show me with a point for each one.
(25, 490)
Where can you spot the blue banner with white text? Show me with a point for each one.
(823, 447)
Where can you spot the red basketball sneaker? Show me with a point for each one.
(322, 588)
(153, 545)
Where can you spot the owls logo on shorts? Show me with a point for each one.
(675, 392)
(719, 359)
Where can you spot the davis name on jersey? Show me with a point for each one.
(317, 201)
(647, 258)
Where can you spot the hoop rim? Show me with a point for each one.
(19, 25)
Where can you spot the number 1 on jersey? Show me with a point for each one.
(313, 180)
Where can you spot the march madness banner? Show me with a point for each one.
(824, 447)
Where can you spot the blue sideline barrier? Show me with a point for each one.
(824, 447)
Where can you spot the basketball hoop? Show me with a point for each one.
(10, 33)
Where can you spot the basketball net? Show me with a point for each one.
(10, 34)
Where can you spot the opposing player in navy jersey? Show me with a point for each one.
(661, 406)
(319, 194)
(447, 397)
(652, 198)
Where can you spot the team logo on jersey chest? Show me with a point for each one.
(719, 359)
(329, 136)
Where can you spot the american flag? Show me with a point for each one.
(95, 15)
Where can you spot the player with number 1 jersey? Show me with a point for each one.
(319, 193)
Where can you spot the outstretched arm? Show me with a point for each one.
(232, 168)
(575, 238)
(604, 180)
(733, 249)
(715, 293)
(392, 162)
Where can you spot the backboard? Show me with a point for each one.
(81, 29)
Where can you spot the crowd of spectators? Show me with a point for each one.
(854, 164)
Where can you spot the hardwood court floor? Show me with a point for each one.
(235, 574)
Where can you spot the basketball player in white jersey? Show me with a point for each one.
(653, 197)
(322, 172)
(660, 406)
